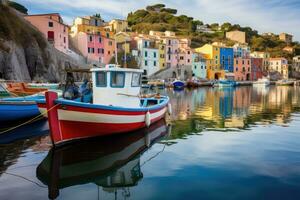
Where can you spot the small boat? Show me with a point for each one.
(3, 91)
(19, 108)
(114, 107)
(225, 83)
(157, 84)
(53, 86)
(111, 163)
(262, 82)
(178, 84)
(285, 82)
(22, 89)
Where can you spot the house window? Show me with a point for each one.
(107, 35)
(102, 51)
(146, 63)
(64, 39)
(154, 63)
(93, 50)
(89, 50)
(243, 62)
(146, 54)
(50, 36)
(108, 52)
(189, 52)
(188, 60)
(117, 79)
(195, 67)
(100, 39)
(169, 42)
(169, 57)
(101, 79)
(154, 54)
(50, 24)
(91, 38)
(236, 69)
(237, 62)
(64, 29)
(136, 80)
(181, 58)
(99, 50)
(110, 43)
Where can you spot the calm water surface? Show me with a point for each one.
(241, 143)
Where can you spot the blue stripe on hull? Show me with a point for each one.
(12, 112)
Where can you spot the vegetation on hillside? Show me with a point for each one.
(18, 7)
(159, 18)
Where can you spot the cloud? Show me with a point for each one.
(265, 16)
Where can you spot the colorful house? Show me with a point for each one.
(162, 54)
(241, 51)
(123, 41)
(279, 65)
(171, 49)
(226, 59)
(94, 47)
(53, 28)
(264, 55)
(199, 65)
(256, 68)
(242, 69)
(148, 55)
(118, 25)
(212, 55)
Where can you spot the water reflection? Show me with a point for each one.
(112, 163)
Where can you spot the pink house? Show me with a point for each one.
(53, 28)
(95, 47)
(172, 50)
(185, 56)
(242, 69)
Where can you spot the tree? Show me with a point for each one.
(18, 7)
(98, 15)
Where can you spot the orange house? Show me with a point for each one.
(242, 69)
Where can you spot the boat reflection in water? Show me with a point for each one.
(110, 162)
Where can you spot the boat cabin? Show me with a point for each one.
(116, 86)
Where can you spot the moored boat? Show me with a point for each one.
(22, 89)
(285, 82)
(178, 84)
(3, 91)
(115, 107)
(225, 83)
(156, 84)
(53, 86)
(262, 82)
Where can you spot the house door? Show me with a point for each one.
(50, 36)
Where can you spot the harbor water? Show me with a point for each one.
(229, 143)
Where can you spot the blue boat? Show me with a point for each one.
(225, 83)
(178, 84)
(18, 108)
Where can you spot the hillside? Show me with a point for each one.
(158, 17)
(25, 54)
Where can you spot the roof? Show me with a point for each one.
(280, 58)
(49, 14)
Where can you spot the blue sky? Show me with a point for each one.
(263, 15)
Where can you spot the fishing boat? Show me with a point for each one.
(22, 89)
(53, 86)
(225, 83)
(178, 84)
(262, 82)
(114, 107)
(112, 163)
(3, 91)
(285, 82)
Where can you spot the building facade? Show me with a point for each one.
(199, 65)
(118, 25)
(287, 38)
(242, 69)
(226, 59)
(296, 64)
(279, 65)
(238, 36)
(241, 51)
(256, 68)
(265, 56)
(53, 28)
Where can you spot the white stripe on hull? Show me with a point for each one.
(78, 116)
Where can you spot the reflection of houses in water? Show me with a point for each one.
(242, 101)
(234, 122)
(226, 102)
(278, 95)
(112, 163)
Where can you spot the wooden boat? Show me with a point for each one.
(157, 84)
(285, 83)
(97, 161)
(262, 82)
(18, 108)
(178, 84)
(115, 107)
(3, 91)
(22, 89)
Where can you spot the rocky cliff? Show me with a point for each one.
(25, 54)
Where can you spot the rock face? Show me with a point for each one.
(30, 58)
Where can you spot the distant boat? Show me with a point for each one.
(22, 89)
(262, 82)
(285, 82)
(225, 83)
(156, 84)
(100, 162)
(178, 84)
(3, 91)
(114, 107)
(53, 86)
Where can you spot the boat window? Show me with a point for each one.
(136, 80)
(101, 79)
(117, 79)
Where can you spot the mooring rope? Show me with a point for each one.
(30, 121)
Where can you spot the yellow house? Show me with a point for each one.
(118, 25)
(90, 24)
(212, 55)
(123, 41)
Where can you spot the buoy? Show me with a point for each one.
(170, 109)
(148, 119)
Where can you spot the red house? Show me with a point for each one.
(256, 68)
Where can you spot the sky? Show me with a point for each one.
(263, 15)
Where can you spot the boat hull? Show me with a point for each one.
(73, 121)
(13, 111)
(178, 84)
